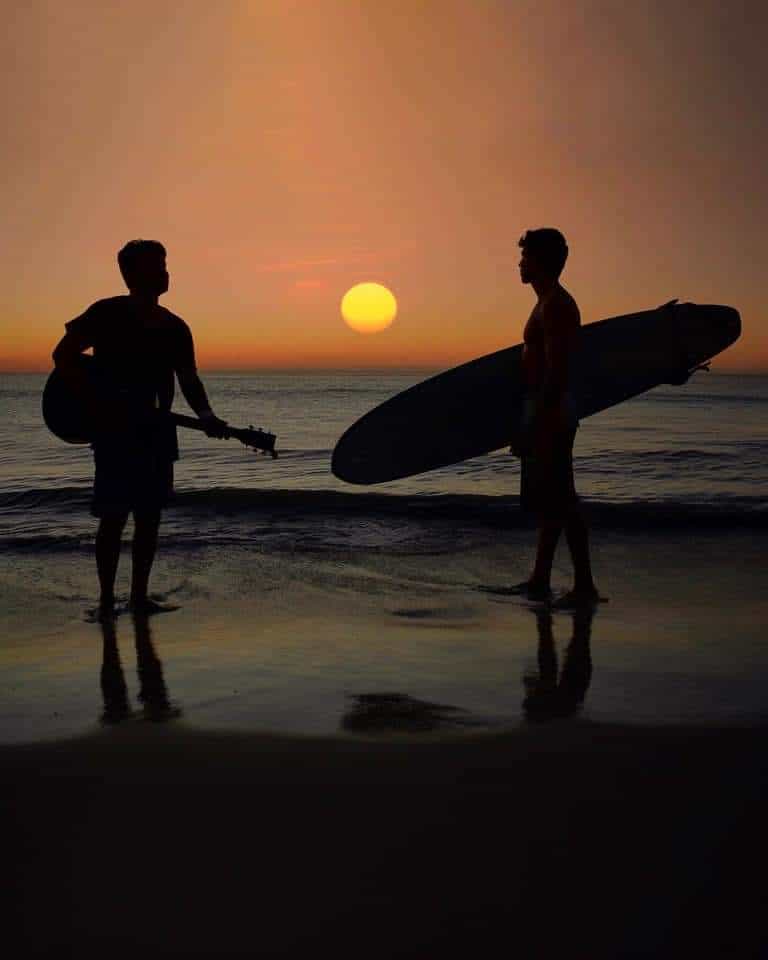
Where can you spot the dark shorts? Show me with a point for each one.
(546, 486)
(131, 477)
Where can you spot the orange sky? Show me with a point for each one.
(284, 151)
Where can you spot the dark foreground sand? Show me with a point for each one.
(572, 839)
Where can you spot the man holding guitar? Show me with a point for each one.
(138, 346)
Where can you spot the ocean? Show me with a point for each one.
(372, 590)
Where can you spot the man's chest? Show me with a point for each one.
(533, 332)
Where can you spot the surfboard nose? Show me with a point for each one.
(708, 329)
(725, 323)
(732, 322)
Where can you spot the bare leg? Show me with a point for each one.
(146, 525)
(108, 538)
(545, 554)
(577, 535)
(584, 593)
(537, 586)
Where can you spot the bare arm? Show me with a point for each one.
(561, 324)
(192, 386)
(194, 392)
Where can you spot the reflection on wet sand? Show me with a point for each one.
(552, 693)
(153, 693)
(393, 712)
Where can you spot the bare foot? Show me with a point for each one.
(532, 590)
(145, 607)
(528, 590)
(579, 599)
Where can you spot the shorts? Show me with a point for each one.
(546, 486)
(131, 475)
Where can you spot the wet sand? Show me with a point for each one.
(589, 839)
(234, 832)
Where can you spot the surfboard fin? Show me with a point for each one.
(677, 380)
(670, 304)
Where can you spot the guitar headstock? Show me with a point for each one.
(259, 440)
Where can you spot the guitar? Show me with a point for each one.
(68, 419)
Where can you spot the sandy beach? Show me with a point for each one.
(283, 813)
(598, 840)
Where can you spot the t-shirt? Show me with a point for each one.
(138, 350)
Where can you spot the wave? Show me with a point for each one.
(44, 497)
(320, 520)
(713, 398)
(653, 458)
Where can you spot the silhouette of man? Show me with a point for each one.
(545, 442)
(138, 346)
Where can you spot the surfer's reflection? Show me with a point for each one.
(553, 693)
(153, 693)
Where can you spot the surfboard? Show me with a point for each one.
(476, 408)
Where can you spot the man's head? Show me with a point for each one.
(142, 264)
(543, 254)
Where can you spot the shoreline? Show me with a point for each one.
(140, 745)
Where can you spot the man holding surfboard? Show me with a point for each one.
(550, 421)
(139, 346)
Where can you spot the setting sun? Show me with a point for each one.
(368, 307)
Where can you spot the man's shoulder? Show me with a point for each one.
(561, 310)
(107, 306)
(101, 311)
(172, 320)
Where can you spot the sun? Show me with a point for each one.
(368, 307)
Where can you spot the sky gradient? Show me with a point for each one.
(284, 151)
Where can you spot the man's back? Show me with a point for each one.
(138, 348)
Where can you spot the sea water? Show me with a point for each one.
(361, 592)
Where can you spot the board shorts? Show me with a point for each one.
(546, 485)
(132, 473)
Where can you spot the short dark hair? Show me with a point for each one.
(548, 246)
(134, 254)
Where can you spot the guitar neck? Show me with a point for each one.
(250, 437)
(191, 423)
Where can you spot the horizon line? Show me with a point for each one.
(298, 368)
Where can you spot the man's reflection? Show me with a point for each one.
(153, 694)
(553, 693)
(113, 689)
